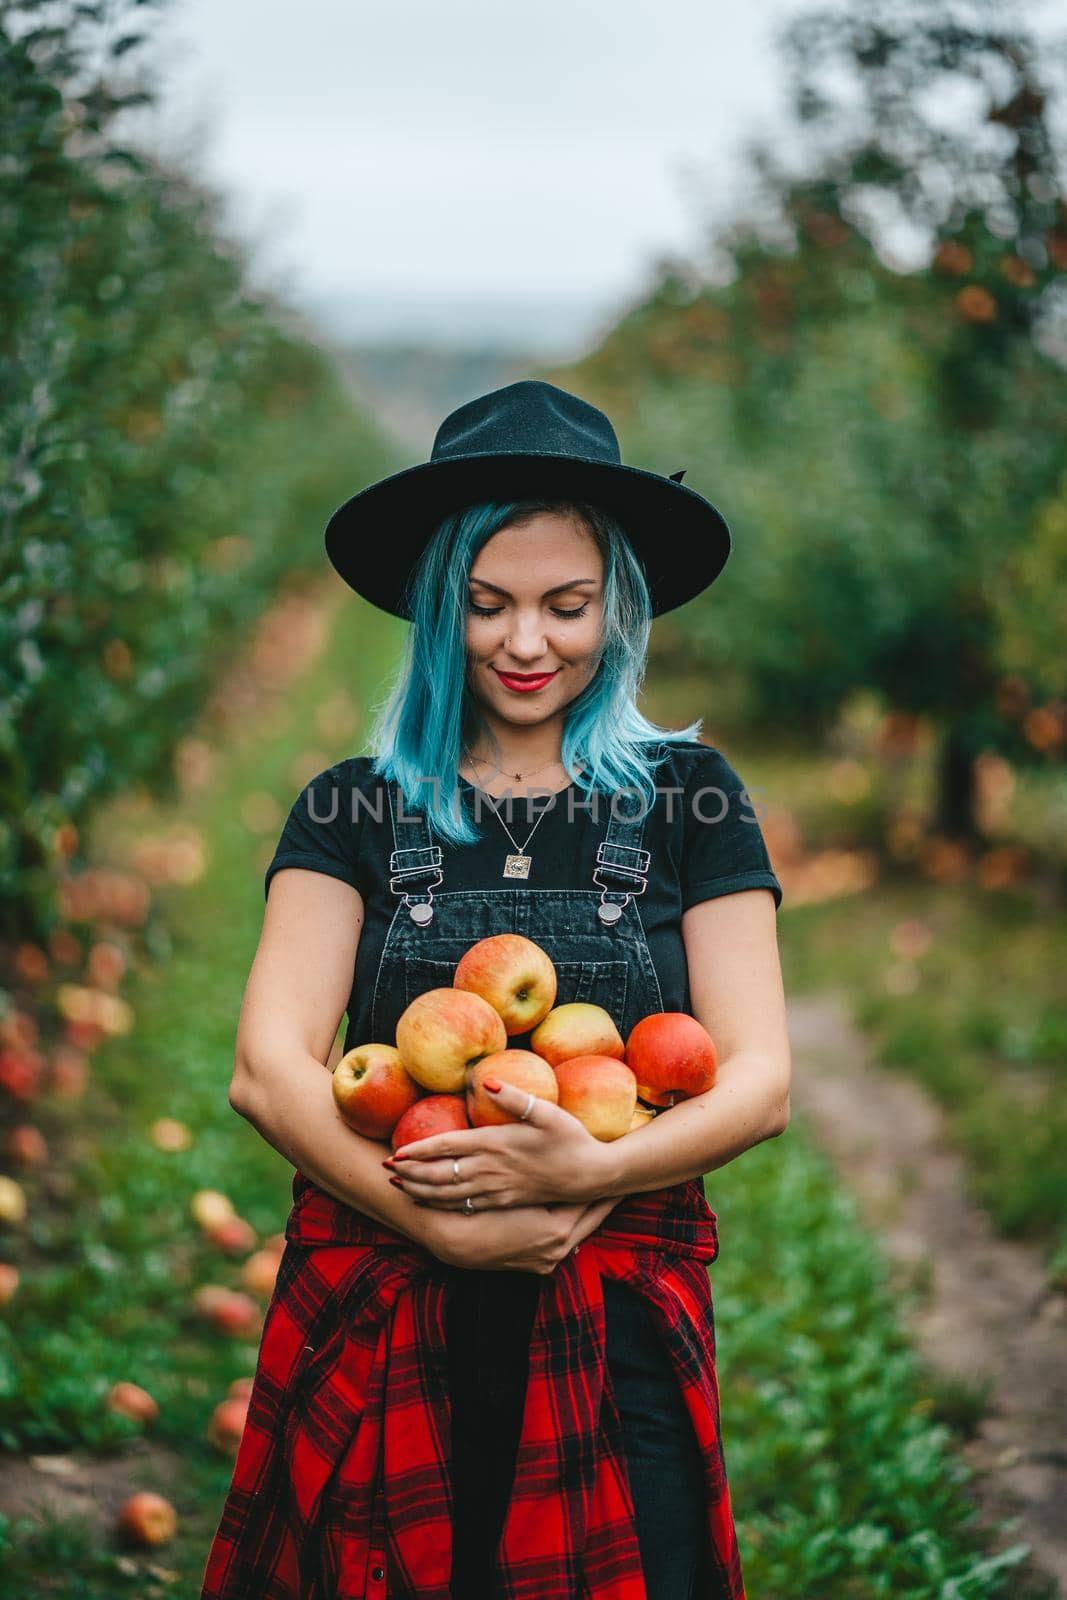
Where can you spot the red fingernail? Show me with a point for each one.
(492, 1085)
(388, 1164)
(396, 1182)
(397, 1157)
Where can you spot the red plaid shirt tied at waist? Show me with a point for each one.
(341, 1488)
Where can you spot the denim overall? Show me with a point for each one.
(597, 944)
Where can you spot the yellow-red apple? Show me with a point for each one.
(600, 1091)
(227, 1424)
(130, 1400)
(434, 1113)
(27, 1145)
(232, 1234)
(514, 975)
(671, 1053)
(209, 1207)
(372, 1089)
(260, 1272)
(442, 1033)
(147, 1518)
(9, 1282)
(576, 1029)
(522, 1068)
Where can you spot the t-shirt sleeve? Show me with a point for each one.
(723, 849)
(322, 830)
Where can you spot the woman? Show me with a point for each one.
(489, 1369)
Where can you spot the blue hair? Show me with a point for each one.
(430, 717)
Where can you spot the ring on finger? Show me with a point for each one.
(468, 1205)
(455, 1169)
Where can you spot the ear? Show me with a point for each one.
(676, 477)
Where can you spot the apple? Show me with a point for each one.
(671, 1053)
(9, 1282)
(522, 1068)
(227, 1424)
(26, 1145)
(12, 1200)
(260, 1272)
(241, 1388)
(514, 975)
(600, 1091)
(442, 1033)
(233, 1234)
(372, 1089)
(130, 1400)
(576, 1029)
(653, 1097)
(148, 1518)
(642, 1116)
(228, 1310)
(276, 1244)
(170, 1134)
(434, 1113)
(209, 1207)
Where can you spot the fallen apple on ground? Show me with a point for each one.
(209, 1207)
(147, 1518)
(372, 1089)
(514, 975)
(130, 1400)
(227, 1424)
(521, 1068)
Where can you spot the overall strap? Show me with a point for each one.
(413, 863)
(619, 857)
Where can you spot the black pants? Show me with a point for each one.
(489, 1320)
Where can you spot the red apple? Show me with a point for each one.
(227, 1424)
(228, 1310)
(514, 975)
(442, 1033)
(671, 1053)
(600, 1091)
(275, 1244)
(372, 1089)
(130, 1400)
(148, 1518)
(522, 1068)
(26, 1145)
(434, 1113)
(233, 1234)
(576, 1029)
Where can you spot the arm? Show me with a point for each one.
(735, 981)
(295, 997)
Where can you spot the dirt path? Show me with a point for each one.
(989, 1313)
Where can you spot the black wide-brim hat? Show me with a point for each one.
(529, 438)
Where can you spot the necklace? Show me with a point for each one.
(518, 865)
(478, 762)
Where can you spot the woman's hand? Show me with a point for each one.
(512, 1238)
(549, 1157)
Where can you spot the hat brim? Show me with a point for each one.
(375, 538)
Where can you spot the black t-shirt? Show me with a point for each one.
(702, 833)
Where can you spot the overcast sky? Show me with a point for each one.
(433, 161)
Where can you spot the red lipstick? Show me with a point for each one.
(525, 682)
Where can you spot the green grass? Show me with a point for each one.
(844, 1462)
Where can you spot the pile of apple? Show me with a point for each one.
(450, 1040)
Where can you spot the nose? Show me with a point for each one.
(525, 643)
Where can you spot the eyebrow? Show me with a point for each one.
(559, 589)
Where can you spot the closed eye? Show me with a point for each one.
(566, 616)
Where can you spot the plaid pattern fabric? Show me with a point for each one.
(341, 1488)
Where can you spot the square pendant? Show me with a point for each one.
(517, 866)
